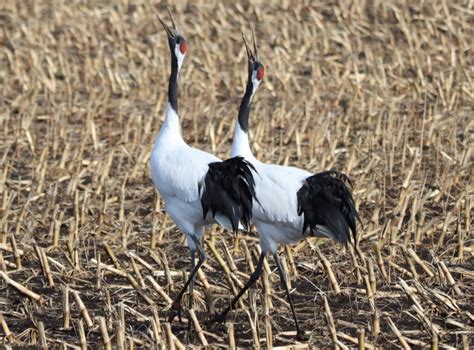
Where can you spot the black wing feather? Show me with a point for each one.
(325, 200)
(229, 189)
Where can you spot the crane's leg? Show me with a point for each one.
(193, 280)
(176, 306)
(284, 282)
(191, 293)
(253, 278)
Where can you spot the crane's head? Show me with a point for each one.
(178, 44)
(256, 69)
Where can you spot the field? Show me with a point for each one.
(381, 90)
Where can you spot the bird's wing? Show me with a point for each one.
(179, 172)
(325, 200)
(276, 188)
(229, 189)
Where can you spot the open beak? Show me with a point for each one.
(255, 50)
(252, 56)
(172, 32)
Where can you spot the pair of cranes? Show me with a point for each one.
(286, 204)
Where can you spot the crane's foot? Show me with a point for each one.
(219, 318)
(190, 336)
(175, 310)
(300, 335)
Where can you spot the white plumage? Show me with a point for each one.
(291, 203)
(275, 215)
(192, 182)
(176, 170)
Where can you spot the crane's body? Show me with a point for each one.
(198, 189)
(291, 203)
(275, 214)
(176, 169)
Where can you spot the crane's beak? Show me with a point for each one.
(250, 55)
(172, 32)
(255, 50)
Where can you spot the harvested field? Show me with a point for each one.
(381, 90)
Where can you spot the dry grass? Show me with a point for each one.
(382, 90)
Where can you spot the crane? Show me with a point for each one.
(292, 203)
(198, 188)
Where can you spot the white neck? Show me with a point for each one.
(240, 144)
(171, 124)
(255, 83)
(179, 57)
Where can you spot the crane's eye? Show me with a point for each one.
(260, 73)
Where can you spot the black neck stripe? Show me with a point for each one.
(173, 84)
(244, 109)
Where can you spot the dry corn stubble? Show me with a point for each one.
(379, 89)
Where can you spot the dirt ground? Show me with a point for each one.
(380, 90)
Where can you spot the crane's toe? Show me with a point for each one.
(216, 318)
(175, 310)
(300, 335)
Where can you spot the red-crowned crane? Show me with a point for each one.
(198, 188)
(291, 203)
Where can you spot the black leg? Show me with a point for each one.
(191, 293)
(284, 283)
(193, 280)
(190, 282)
(253, 278)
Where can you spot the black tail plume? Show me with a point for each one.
(325, 200)
(229, 188)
